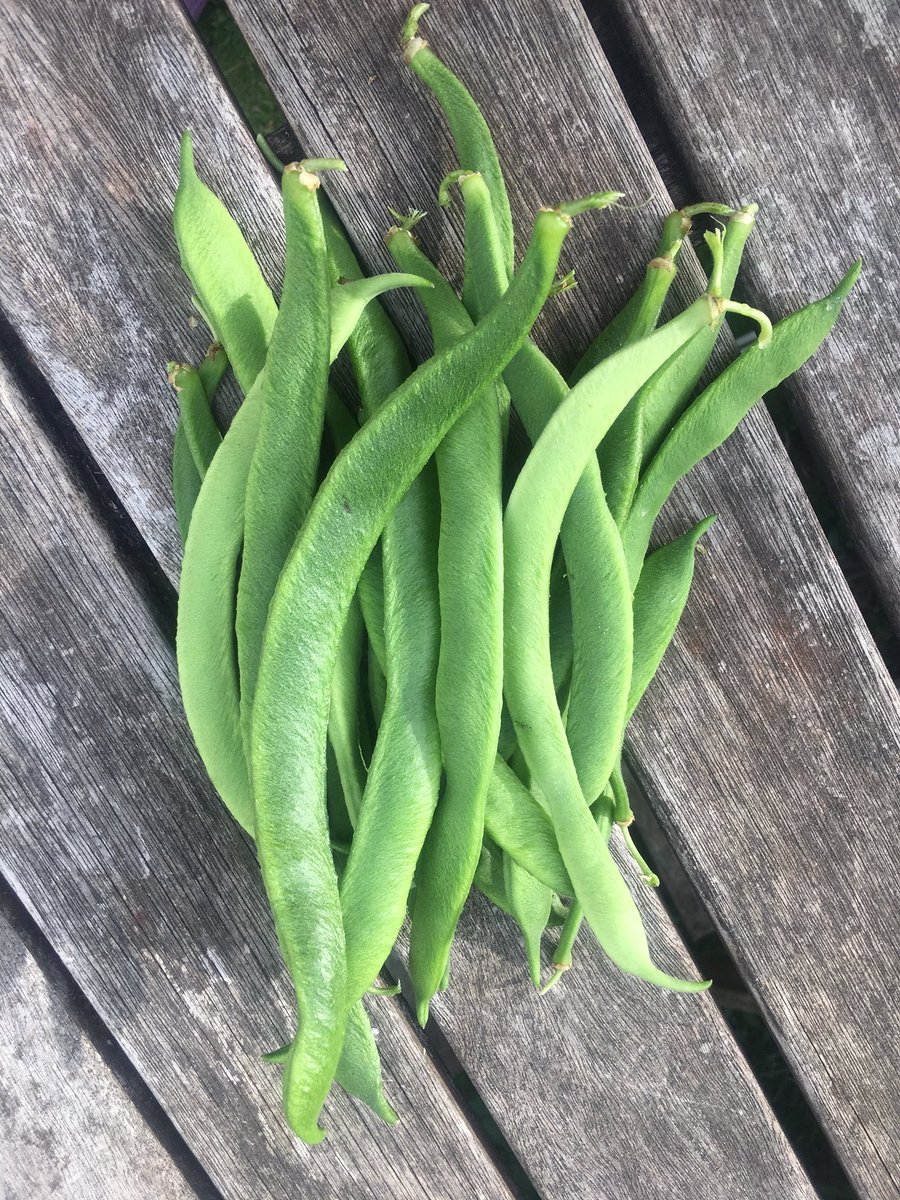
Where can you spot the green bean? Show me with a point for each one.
(533, 518)
(346, 693)
(602, 810)
(359, 1067)
(404, 774)
(530, 904)
(518, 823)
(621, 453)
(186, 473)
(716, 413)
(590, 540)
(402, 610)
(282, 476)
(186, 482)
(469, 683)
(640, 314)
(307, 614)
(234, 297)
(659, 600)
(209, 574)
(489, 875)
(472, 138)
(200, 429)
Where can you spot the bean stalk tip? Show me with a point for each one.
(572, 208)
(410, 29)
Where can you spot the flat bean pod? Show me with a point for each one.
(308, 612)
(207, 667)
(282, 476)
(234, 297)
(474, 144)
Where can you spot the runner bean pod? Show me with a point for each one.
(308, 611)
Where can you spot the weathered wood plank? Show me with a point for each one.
(68, 1129)
(798, 110)
(775, 696)
(151, 896)
(668, 1037)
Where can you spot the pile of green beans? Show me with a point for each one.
(409, 647)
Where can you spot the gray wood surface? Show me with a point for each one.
(99, 310)
(795, 105)
(770, 742)
(68, 1129)
(149, 893)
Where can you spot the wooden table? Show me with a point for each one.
(140, 972)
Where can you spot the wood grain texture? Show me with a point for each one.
(796, 107)
(770, 742)
(68, 1129)
(100, 385)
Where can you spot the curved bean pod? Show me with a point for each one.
(529, 903)
(474, 144)
(359, 1067)
(533, 518)
(399, 593)
(659, 600)
(716, 413)
(207, 669)
(591, 544)
(307, 614)
(282, 476)
(233, 296)
(518, 823)
(602, 809)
